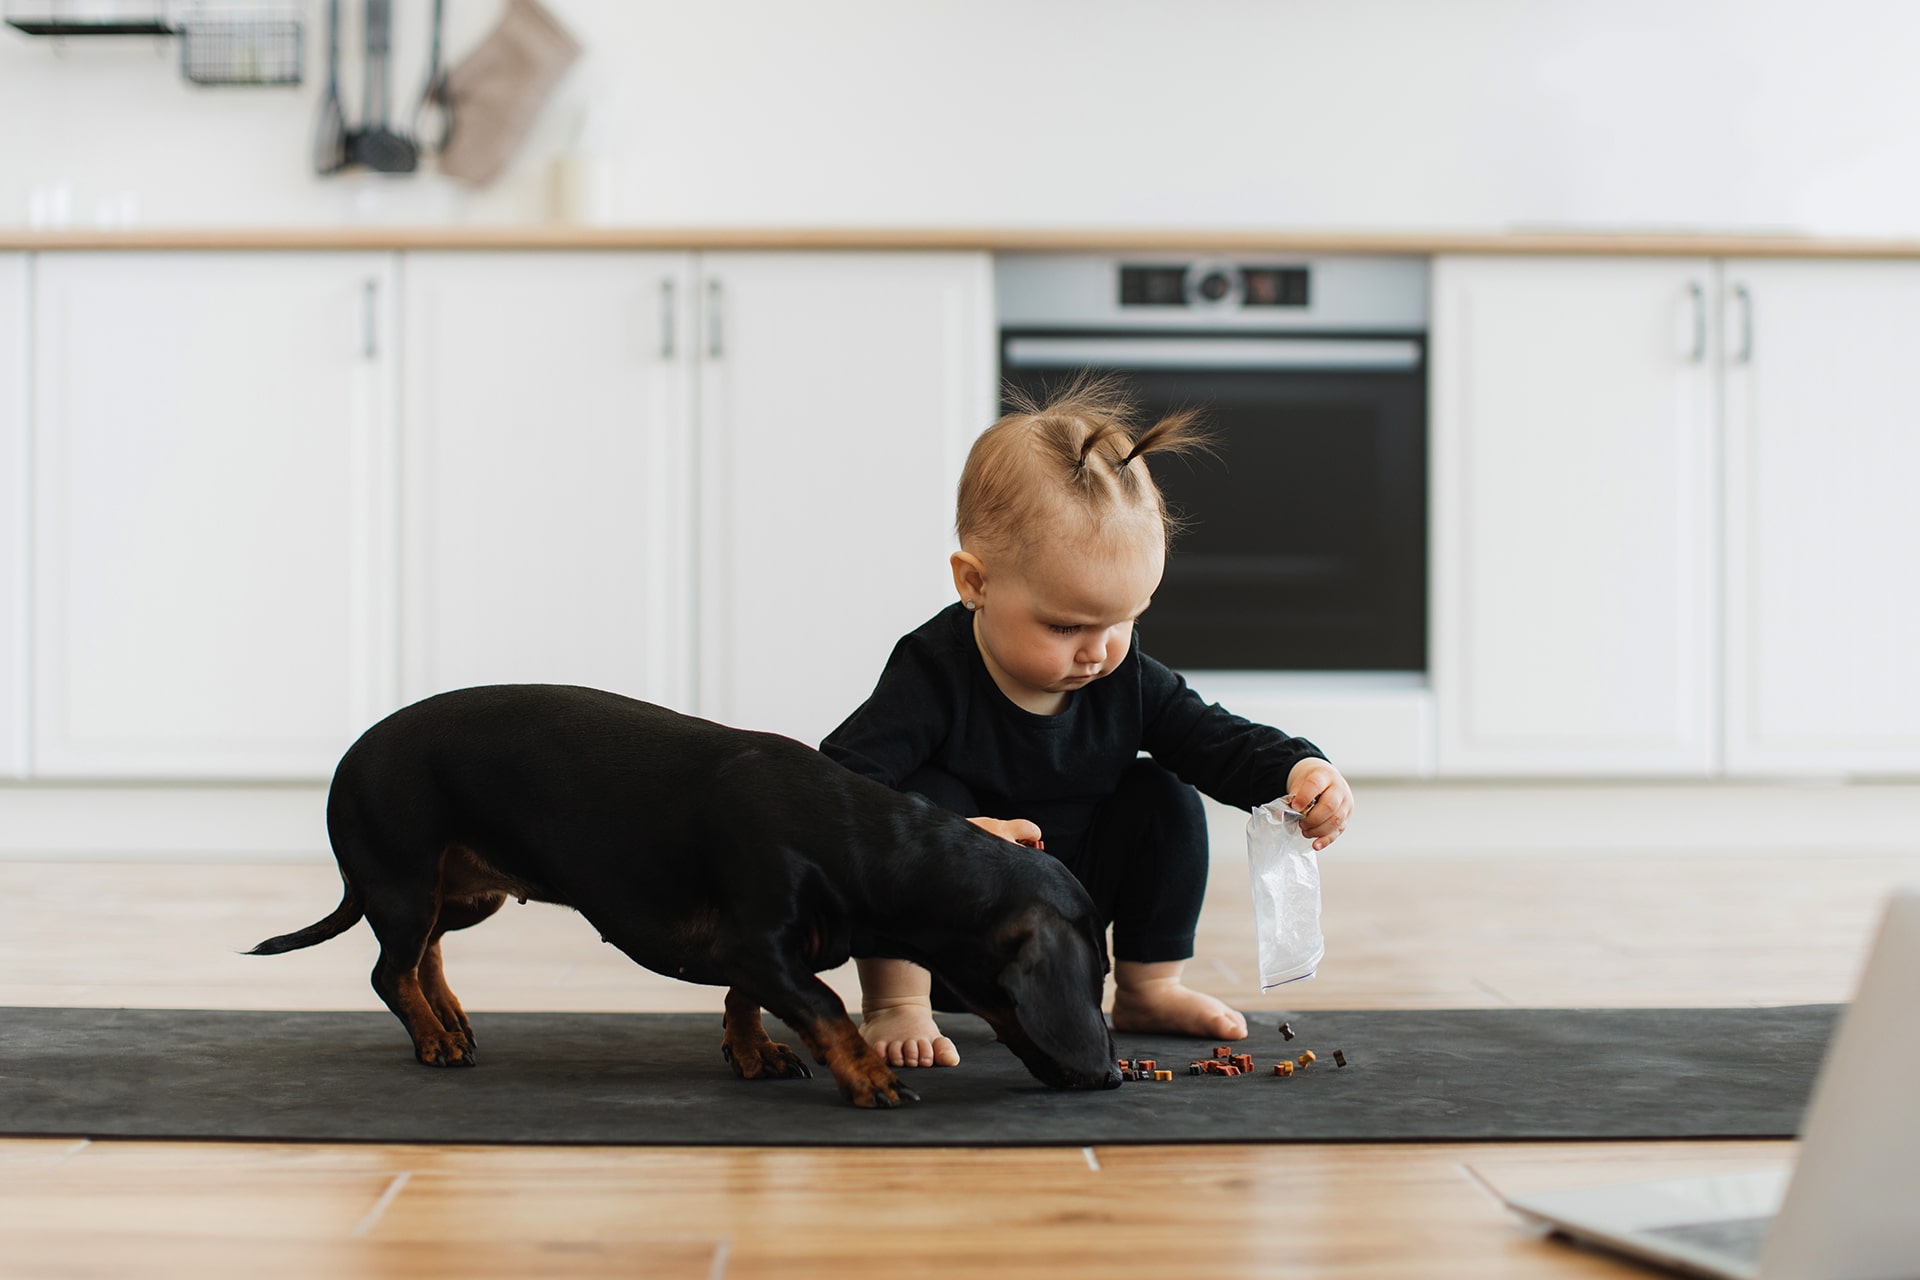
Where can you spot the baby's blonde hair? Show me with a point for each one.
(1072, 457)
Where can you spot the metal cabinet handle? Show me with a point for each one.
(667, 319)
(368, 328)
(1698, 292)
(1744, 355)
(713, 320)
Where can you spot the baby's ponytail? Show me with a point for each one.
(1077, 442)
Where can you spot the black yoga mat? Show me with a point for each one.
(658, 1079)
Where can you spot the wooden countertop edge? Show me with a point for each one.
(973, 239)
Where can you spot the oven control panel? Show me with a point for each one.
(1219, 291)
(1213, 284)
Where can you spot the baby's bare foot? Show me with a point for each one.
(905, 1035)
(1169, 1007)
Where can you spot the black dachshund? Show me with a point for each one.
(711, 854)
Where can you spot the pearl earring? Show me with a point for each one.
(972, 605)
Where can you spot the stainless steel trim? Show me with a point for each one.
(369, 333)
(1745, 354)
(1698, 292)
(667, 319)
(1215, 353)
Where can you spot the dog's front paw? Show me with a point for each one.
(768, 1060)
(876, 1088)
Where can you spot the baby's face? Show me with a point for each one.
(1065, 618)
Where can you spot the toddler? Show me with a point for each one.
(1026, 706)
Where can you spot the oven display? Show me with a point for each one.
(1273, 287)
(1142, 286)
(1153, 286)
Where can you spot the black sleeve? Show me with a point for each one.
(1234, 760)
(898, 728)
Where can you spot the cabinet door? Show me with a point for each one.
(1575, 519)
(1823, 530)
(13, 515)
(212, 533)
(838, 395)
(548, 494)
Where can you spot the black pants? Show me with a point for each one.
(1142, 859)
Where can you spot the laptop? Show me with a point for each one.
(1850, 1207)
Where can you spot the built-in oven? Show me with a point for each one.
(1305, 548)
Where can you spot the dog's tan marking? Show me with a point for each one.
(432, 1043)
(440, 998)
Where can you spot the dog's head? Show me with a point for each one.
(1044, 1000)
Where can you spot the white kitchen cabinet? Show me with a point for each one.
(548, 506)
(838, 393)
(1575, 569)
(213, 537)
(13, 514)
(1822, 525)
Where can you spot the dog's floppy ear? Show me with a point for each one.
(1053, 978)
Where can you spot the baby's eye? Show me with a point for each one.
(1060, 630)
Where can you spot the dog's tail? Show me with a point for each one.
(344, 917)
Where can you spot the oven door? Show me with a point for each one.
(1306, 540)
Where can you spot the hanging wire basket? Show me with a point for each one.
(242, 48)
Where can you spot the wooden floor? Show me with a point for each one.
(1402, 932)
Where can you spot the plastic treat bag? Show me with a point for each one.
(1286, 896)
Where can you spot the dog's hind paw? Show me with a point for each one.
(447, 1051)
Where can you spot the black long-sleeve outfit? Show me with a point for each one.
(937, 725)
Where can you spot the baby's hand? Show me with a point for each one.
(1322, 798)
(1018, 830)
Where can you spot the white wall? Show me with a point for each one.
(1368, 114)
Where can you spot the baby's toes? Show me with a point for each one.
(1229, 1025)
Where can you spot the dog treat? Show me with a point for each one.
(1229, 1070)
(1283, 1068)
(1163, 1075)
(1339, 1058)
(1221, 1051)
(1286, 1030)
(1244, 1061)
(1124, 1063)
(1196, 1070)
(1147, 1064)
(1306, 1059)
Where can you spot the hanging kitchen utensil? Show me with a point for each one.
(330, 142)
(499, 88)
(375, 144)
(433, 117)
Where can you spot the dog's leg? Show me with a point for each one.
(404, 927)
(747, 1046)
(458, 914)
(811, 1008)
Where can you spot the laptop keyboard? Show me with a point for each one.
(1731, 1237)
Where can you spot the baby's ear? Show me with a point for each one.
(969, 575)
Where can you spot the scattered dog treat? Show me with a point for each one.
(1244, 1061)
(1146, 1064)
(1229, 1070)
(1286, 1030)
(1221, 1051)
(1306, 1059)
(1283, 1068)
(1125, 1064)
(1163, 1075)
(1339, 1058)
(1196, 1069)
